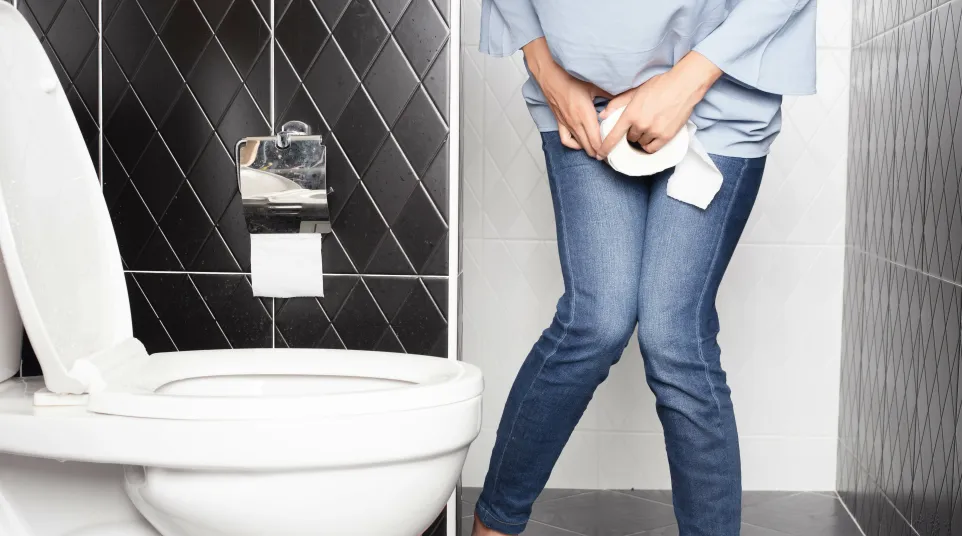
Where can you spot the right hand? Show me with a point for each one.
(570, 99)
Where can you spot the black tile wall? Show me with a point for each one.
(182, 80)
(900, 432)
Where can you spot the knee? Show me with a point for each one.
(596, 332)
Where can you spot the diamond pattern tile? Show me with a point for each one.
(183, 80)
(69, 35)
(900, 470)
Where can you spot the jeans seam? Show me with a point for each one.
(490, 514)
(704, 290)
(554, 351)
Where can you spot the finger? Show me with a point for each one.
(647, 138)
(614, 136)
(585, 141)
(634, 134)
(618, 102)
(594, 136)
(566, 138)
(654, 145)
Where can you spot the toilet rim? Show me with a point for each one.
(431, 382)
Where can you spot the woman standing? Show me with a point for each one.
(630, 255)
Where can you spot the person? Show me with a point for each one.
(631, 256)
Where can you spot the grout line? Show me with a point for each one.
(899, 25)
(905, 266)
(334, 274)
(852, 517)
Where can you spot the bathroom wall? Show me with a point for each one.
(780, 304)
(900, 434)
(182, 80)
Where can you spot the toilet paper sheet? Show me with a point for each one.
(696, 180)
(287, 265)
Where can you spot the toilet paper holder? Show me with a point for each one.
(283, 181)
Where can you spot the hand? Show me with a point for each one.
(658, 109)
(571, 100)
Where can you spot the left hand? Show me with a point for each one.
(658, 109)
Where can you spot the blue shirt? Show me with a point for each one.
(766, 49)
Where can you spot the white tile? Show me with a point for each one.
(471, 22)
(834, 23)
(788, 463)
(578, 466)
(476, 464)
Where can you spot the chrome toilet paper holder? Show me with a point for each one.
(283, 181)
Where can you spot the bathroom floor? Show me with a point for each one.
(649, 513)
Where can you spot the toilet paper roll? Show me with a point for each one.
(695, 180)
(287, 265)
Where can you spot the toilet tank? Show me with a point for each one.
(11, 329)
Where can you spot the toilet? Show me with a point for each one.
(113, 441)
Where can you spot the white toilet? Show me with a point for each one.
(115, 442)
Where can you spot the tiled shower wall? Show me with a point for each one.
(163, 89)
(780, 304)
(900, 448)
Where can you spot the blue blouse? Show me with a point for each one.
(766, 49)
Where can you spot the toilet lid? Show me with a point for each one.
(56, 235)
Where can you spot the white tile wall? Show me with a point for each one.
(780, 303)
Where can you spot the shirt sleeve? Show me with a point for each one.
(508, 25)
(767, 44)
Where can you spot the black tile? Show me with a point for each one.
(128, 35)
(420, 131)
(436, 180)
(186, 131)
(419, 229)
(419, 323)
(214, 178)
(186, 224)
(157, 177)
(286, 81)
(147, 327)
(72, 36)
(243, 318)
(259, 81)
(243, 119)
(389, 259)
(336, 291)
(331, 82)
(391, 82)
(114, 177)
(439, 291)
(391, 10)
(335, 260)
(341, 178)
(214, 256)
(390, 180)
(603, 513)
(389, 342)
(360, 131)
(185, 34)
(28, 15)
(390, 292)
(182, 311)
(233, 228)
(331, 10)
(301, 322)
(157, 82)
(157, 255)
(129, 130)
(114, 84)
(58, 69)
(243, 33)
(45, 11)
(214, 82)
(436, 82)
(421, 32)
(359, 322)
(359, 227)
(302, 109)
(360, 34)
(444, 7)
(301, 33)
(132, 223)
(214, 10)
(88, 80)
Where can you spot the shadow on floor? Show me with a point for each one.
(649, 513)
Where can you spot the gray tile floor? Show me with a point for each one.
(649, 513)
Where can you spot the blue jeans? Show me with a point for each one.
(631, 256)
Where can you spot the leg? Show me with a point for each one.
(685, 254)
(600, 217)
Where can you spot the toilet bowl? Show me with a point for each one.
(114, 441)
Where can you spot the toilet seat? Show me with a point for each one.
(402, 383)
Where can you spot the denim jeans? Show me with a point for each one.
(631, 257)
